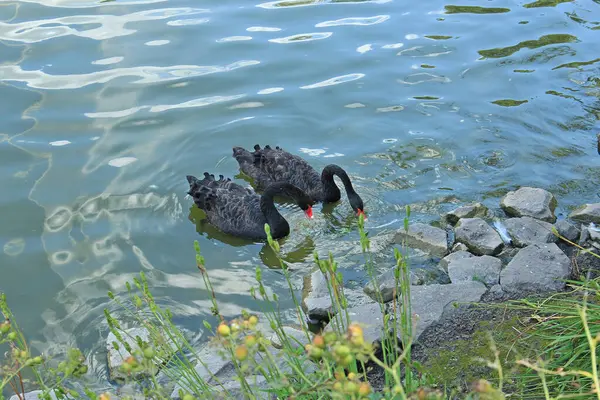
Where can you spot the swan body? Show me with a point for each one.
(239, 211)
(267, 166)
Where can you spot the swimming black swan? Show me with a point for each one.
(269, 165)
(238, 211)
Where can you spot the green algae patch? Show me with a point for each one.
(546, 40)
(546, 3)
(509, 102)
(438, 37)
(450, 9)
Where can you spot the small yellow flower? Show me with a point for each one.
(223, 330)
(241, 352)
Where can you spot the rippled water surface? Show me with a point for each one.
(106, 106)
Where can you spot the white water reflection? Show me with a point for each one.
(262, 29)
(362, 21)
(110, 26)
(302, 37)
(146, 74)
(334, 81)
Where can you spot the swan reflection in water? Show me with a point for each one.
(300, 254)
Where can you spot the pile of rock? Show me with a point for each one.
(509, 253)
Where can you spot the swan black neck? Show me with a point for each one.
(330, 189)
(279, 226)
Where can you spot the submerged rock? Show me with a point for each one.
(386, 282)
(480, 238)
(117, 357)
(424, 237)
(469, 211)
(536, 268)
(485, 269)
(530, 202)
(567, 230)
(587, 213)
(525, 231)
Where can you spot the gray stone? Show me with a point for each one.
(386, 282)
(480, 238)
(536, 268)
(567, 230)
(33, 395)
(428, 304)
(485, 269)
(587, 213)
(214, 369)
(459, 255)
(469, 211)
(296, 337)
(431, 301)
(424, 237)
(459, 247)
(585, 235)
(525, 231)
(316, 301)
(507, 254)
(530, 202)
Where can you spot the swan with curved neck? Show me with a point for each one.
(240, 212)
(268, 165)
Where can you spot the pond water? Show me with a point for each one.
(107, 106)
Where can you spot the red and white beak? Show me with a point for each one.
(308, 212)
(359, 212)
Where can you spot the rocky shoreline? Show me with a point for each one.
(484, 256)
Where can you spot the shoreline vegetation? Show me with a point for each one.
(482, 336)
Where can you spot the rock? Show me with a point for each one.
(536, 268)
(116, 357)
(459, 247)
(258, 383)
(459, 255)
(33, 395)
(507, 254)
(525, 231)
(585, 235)
(424, 237)
(428, 304)
(567, 230)
(530, 202)
(588, 265)
(316, 301)
(469, 211)
(587, 213)
(480, 238)
(387, 282)
(485, 269)
(296, 337)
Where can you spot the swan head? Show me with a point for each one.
(357, 204)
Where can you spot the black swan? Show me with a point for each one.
(240, 212)
(270, 165)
